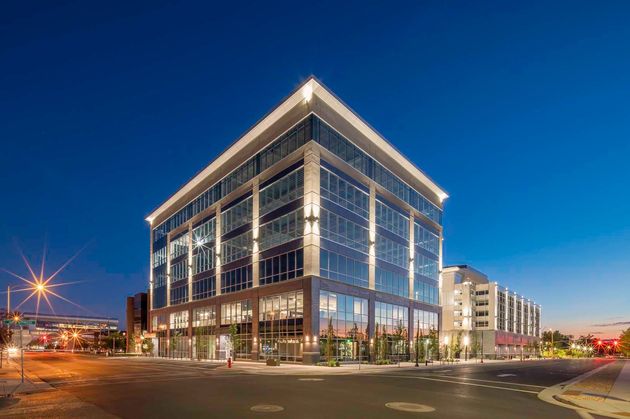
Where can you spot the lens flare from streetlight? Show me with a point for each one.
(40, 286)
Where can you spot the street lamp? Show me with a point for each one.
(466, 342)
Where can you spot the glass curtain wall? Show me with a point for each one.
(179, 344)
(238, 313)
(391, 333)
(281, 326)
(392, 250)
(204, 333)
(343, 324)
(343, 228)
(281, 226)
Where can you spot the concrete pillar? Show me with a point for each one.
(150, 296)
(372, 326)
(255, 332)
(311, 209)
(372, 238)
(217, 261)
(190, 262)
(190, 333)
(256, 234)
(412, 255)
(310, 343)
(168, 269)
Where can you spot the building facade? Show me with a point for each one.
(488, 318)
(310, 222)
(136, 313)
(47, 329)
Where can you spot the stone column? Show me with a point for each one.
(190, 262)
(190, 333)
(412, 255)
(217, 261)
(256, 234)
(168, 269)
(372, 326)
(151, 283)
(310, 342)
(311, 210)
(372, 238)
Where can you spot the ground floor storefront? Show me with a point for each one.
(306, 320)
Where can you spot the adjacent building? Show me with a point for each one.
(136, 313)
(488, 318)
(309, 221)
(44, 329)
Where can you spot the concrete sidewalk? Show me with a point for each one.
(37, 399)
(604, 391)
(11, 381)
(346, 369)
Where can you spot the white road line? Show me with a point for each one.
(456, 382)
(489, 381)
(70, 384)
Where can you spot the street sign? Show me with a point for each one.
(10, 322)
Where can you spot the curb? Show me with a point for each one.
(553, 395)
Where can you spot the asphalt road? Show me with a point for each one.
(136, 388)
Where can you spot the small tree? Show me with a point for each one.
(330, 335)
(456, 345)
(624, 342)
(5, 336)
(377, 343)
(354, 335)
(147, 346)
(420, 346)
(235, 339)
(400, 339)
(434, 342)
(475, 347)
(383, 345)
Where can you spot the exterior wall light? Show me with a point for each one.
(307, 92)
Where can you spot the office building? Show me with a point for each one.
(136, 313)
(57, 329)
(309, 221)
(486, 318)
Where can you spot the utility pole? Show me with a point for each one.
(21, 354)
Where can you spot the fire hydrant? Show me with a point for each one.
(230, 362)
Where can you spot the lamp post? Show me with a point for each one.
(482, 346)
(466, 341)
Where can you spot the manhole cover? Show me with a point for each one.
(410, 407)
(310, 379)
(267, 408)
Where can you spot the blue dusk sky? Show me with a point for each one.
(520, 110)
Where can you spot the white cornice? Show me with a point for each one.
(301, 95)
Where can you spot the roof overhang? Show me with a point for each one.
(304, 93)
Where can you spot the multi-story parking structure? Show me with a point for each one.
(309, 221)
(488, 318)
